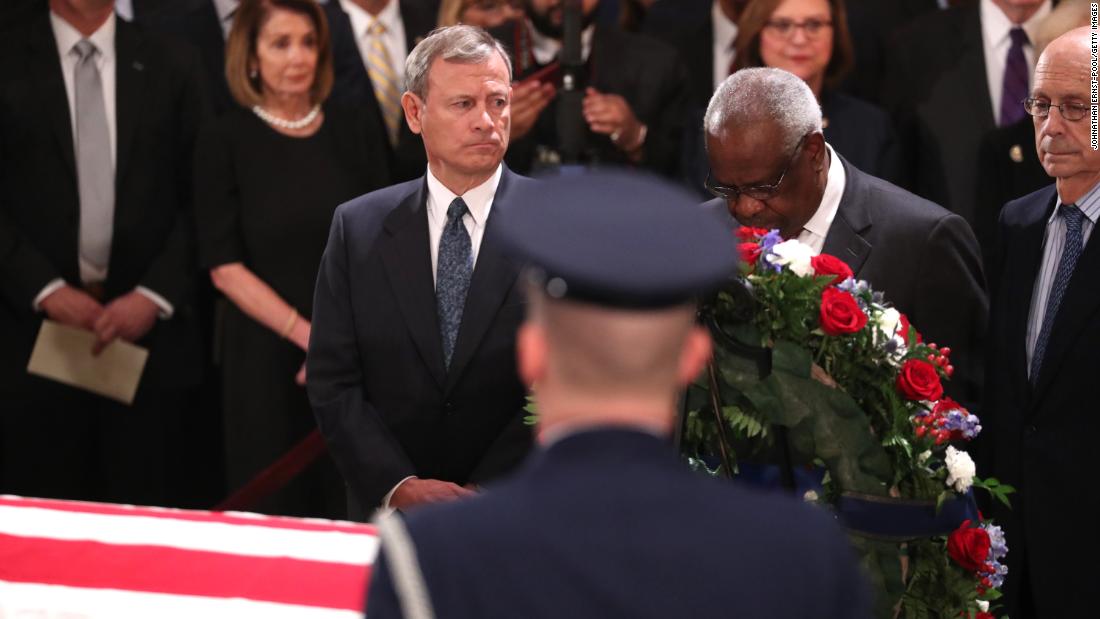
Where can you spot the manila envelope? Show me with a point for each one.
(64, 354)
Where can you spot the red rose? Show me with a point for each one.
(840, 314)
(982, 615)
(903, 329)
(968, 546)
(746, 233)
(750, 252)
(918, 380)
(824, 264)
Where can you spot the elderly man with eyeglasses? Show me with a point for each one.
(1043, 350)
(772, 168)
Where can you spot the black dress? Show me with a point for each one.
(266, 200)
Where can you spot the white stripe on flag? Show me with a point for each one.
(247, 540)
(35, 600)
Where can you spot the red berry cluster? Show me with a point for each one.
(940, 358)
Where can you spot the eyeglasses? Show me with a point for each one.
(786, 27)
(1040, 108)
(761, 193)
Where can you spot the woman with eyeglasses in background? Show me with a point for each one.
(483, 13)
(809, 38)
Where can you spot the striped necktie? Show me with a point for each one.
(1070, 253)
(385, 82)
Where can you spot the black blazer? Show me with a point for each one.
(1008, 168)
(863, 134)
(383, 399)
(1038, 438)
(196, 21)
(644, 71)
(924, 259)
(608, 523)
(936, 88)
(159, 106)
(353, 88)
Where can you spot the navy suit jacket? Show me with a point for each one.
(1038, 437)
(383, 398)
(924, 259)
(608, 523)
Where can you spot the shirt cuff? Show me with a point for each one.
(50, 288)
(166, 309)
(389, 495)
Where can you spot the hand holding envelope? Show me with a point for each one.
(65, 354)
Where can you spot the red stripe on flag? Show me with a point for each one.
(273, 522)
(160, 569)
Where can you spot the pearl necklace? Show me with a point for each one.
(282, 123)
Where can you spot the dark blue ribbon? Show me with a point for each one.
(903, 519)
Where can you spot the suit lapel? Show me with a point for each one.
(845, 240)
(1078, 308)
(131, 94)
(1027, 255)
(407, 258)
(493, 277)
(46, 66)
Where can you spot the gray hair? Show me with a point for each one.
(462, 44)
(758, 94)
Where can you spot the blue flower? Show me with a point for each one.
(965, 423)
(998, 547)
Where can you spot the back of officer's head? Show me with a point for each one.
(616, 261)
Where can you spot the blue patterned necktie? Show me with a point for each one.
(1014, 87)
(453, 271)
(1070, 253)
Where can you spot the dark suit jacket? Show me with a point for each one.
(196, 21)
(383, 400)
(644, 71)
(353, 88)
(1038, 438)
(863, 134)
(159, 105)
(1001, 178)
(609, 523)
(936, 88)
(871, 25)
(926, 262)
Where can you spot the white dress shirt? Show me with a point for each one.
(996, 43)
(66, 38)
(545, 49)
(725, 35)
(393, 39)
(479, 201)
(1054, 241)
(815, 230)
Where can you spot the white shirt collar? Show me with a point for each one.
(390, 17)
(1088, 203)
(546, 49)
(996, 25)
(725, 31)
(67, 36)
(478, 199)
(815, 230)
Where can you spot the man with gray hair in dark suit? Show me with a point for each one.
(772, 168)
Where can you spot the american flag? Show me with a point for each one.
(70, 560)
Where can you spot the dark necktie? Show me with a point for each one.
(1014, 89)
(455, 266)
(1070, 253)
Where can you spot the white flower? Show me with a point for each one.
(960, 469)
(810, 496)
(924, 456)
(887, 321)
(794, 255)
(983, 606)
